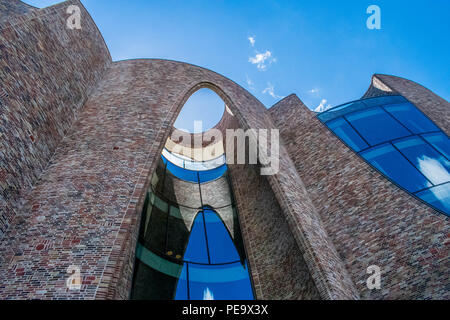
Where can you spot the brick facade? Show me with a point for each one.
(370, 220)
(83, 136)
(13, 8)
(47, 74)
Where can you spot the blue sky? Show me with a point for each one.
(320, 50)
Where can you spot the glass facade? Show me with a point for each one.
(203, 172)
(213, 269)
(190, 247)
(400, 141)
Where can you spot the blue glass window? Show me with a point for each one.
(377, 126)
(412, 118)
(224, 276)
(220, 282)
(197, 249)
(210, 175)
(431, 163)
(195, 176)
(197, 263)
(221, 245)
(438, 196)
(400, 141)
(381, 101)
(182, 285)
(183, 174)
(440, 141)
(389, 161)
(347, 134)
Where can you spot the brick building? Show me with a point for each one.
(83, 179)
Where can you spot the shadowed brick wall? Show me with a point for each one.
(278, 268)
(371, 221)
(47, 73)
(12, 8)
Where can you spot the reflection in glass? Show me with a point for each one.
(438, 197)
(432, 164)
(195, 176)
(389, 161)
(197, 249)
(376, 126)
(224, 276)
(440, 141)
(185, 250)
(186, 163)
(412, 118)
(216, 282)
(400, 141)
(344, 131)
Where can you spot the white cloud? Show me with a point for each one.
(436, 173)
(252, 41)
(323, 106)
(433, 170)
(262, 60)
(208, 295)
(271, 91)
(313, 91)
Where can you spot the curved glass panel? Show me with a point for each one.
(354, 106)
(400, 141)
(376, 126)
(194, 176)
(223, 282)
(343, 129)
(440, 141)
(390, 162)
(412, 118)
(206, 176)
(221, 245)
(190, 251)
(223, 276)
(438, 197)
(186, 163)
(197, 249)
(431, 163)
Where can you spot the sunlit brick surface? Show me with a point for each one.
(47, 72)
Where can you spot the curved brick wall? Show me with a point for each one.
(371, 221)
(222, 125)
(81, 137)
(278, 268)
(47, 73)
(85, 210)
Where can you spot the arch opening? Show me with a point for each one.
(202, 111)
(190, 245)
(181, 198)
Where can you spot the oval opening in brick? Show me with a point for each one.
(203, 106)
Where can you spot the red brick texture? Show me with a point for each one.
(47, 74)
(83, 136)
(92, 192)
